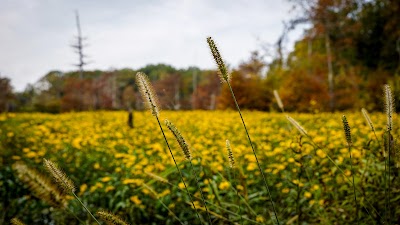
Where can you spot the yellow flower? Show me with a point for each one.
(96, 166)
(251, 166)
(181, 185)
(31, 154)
(285, 190)
(105, 179)
(135, 200)
(307, 194)
(224, 185)
(321, 153)
(260, 219)
(314, 187)
(83, 188)
(109, 188)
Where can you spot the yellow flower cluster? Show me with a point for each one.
(106, 155)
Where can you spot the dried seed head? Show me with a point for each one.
(148, 94)
(41, 186)
(156, 177)
(278, 100)
(223, 71)
(15, 221)
(297, 125)
(180, 139)
(389, 106)
(369, 121)
(110, 218)
(59, 176)
(230, 154)
(346, 128)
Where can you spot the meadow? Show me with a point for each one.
(128, 171)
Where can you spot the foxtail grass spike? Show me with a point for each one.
(40, 185)
(347, 130)
(389, 106)
(59, 176)
(368, 119)
(110, 219)
(230, 154)
(180, 139)
(186, 152)
(150, 98)
(278, 100)
(64, 182)
(15, 221)
(225, 78)
(156, 177)
(148, 94)
(223, 71)
(297, 125)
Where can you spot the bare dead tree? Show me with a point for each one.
(78, 47)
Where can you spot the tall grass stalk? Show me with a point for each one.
(186, 151)
(389, 111)
(347, 133)
(225, 78)
(232, 168)
(151, 102)
(64, 182)
(304, 132)
(372, 127)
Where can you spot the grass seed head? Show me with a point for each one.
(369, 121)
(15, 221)
(147, 92)
(297, 125)
(347, 131)
(40, 186)
(59, 176)
(389, 106)
(110, 219)
(180, 139)
(230, 154)
(278, 100)
(223, 71)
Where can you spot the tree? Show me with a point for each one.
(78, 47)
(6, 94)
(247, 82)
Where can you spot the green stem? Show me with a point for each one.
(172, 155)
(354, 186)
(254, 152)
(388, 177)
(201, 192)
(73, 193)
(237, 194)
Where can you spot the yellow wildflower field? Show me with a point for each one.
(130, 172)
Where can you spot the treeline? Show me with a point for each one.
(350, 50)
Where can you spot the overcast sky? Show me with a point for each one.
(35, 35)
